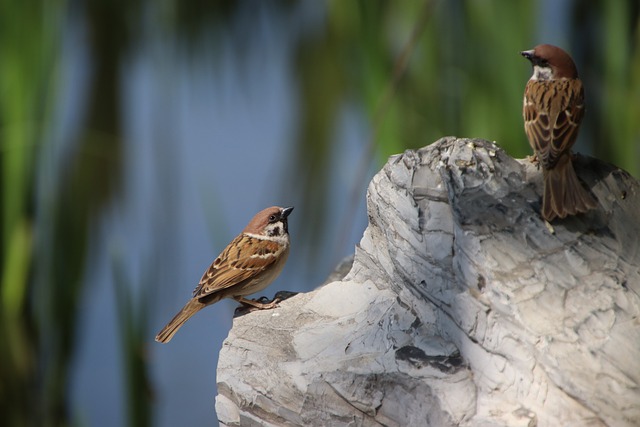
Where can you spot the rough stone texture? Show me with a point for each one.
(462, 307)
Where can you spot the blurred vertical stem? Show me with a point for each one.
(620, 109)
(133, 316)
(29, 37)
(87, 177)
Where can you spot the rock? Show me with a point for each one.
(462, 308)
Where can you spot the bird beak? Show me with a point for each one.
(527, 54)
(286, 211)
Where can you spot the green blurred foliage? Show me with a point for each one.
(419, 70)
(27, 62)
(133, 317)
(608, 37)
(423, 70)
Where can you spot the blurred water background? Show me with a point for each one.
(139, 137)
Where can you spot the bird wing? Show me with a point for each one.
(553, 130)
(245, 258)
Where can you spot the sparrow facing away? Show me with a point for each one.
(247, 265)
(553, 109)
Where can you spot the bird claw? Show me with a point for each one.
(258, 304)
(283, 295)
(262, 303)
(534, 159)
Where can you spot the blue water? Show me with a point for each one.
(208, 142)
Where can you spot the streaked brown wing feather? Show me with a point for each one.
(552, 133)
(570, 112)
(237, 264)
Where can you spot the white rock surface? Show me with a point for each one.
(462, 308)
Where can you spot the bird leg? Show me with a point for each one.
(257, 304)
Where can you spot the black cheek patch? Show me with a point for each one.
(275, 232)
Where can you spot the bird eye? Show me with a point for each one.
(272, 218)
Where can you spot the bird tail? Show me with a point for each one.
(563, 193)
(191, 308)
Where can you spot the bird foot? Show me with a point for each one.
(258, 303)
(534, 159)
(262, 303)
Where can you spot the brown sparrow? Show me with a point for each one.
(247, 265)
(553, 109)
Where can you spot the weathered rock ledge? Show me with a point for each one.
(462, 308)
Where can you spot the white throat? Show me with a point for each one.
(541, 73)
